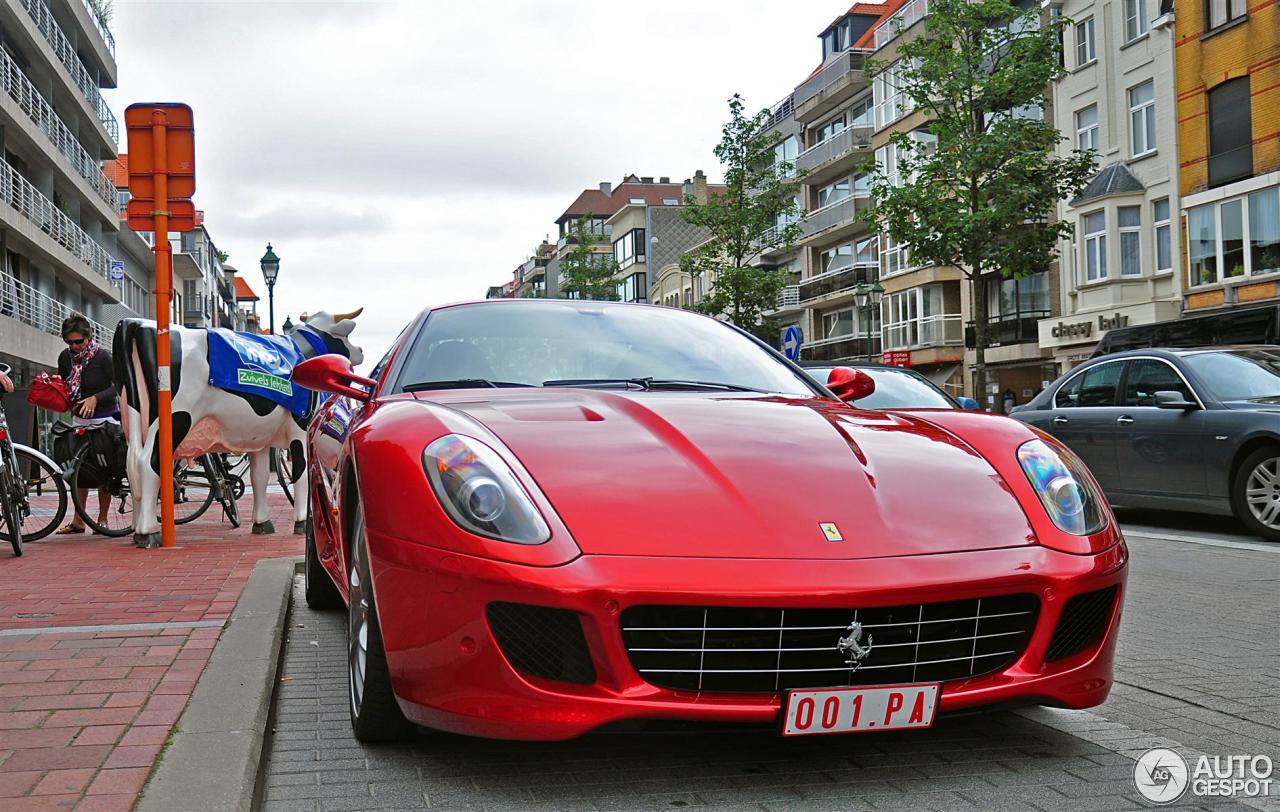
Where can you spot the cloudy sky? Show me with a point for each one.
(406, 153)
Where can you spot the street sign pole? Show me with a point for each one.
(164, 294)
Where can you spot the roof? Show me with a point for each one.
(600, 204)
(1114, 179)
(244, 293)
(868, 9)
(117, 171)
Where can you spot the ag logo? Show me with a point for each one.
(1161, 775)
(830, 530)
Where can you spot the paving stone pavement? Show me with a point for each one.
(1180, 643)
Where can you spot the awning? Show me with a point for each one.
(939, 377)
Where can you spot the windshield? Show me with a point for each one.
(1240, 374)
(584, 343)
(895, 389)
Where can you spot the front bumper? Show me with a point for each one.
(449, 673)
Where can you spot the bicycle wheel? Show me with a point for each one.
(10, 513)
(223, 491)
(46, 495)
(283, 461)
(192, 490)
(106, 510)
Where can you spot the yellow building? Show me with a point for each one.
(1227, 57)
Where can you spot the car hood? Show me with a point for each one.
(749, 477)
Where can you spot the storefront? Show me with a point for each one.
(1074, 338)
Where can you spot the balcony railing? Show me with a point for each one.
(845, 141)
(1018, 329)
(20, 301)
(18, 192)
(902, 19)
(931, 331)
(101, 25)
(833, 214)
(789, 297)
(41, 113)
(781, 111)
(48, 26)
(841, 280)
(855, 59)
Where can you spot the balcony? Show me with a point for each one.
(907, 16)
(834, 216)
(780, 112)
(41, 113)
(18, 192)
(1019, 329)
(862, 345)
(572, 239)
(20, 301)
(66, 53)
(824, 161)
(931, 331)
(836, 83)
(836, 286)
(788, 298)
(101, 25)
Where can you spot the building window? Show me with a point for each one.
(862, 114)
(834, 193)
(629, 249)
(1160, 217)
(1202, 245)
(1231, 227)
(866, 252)
(1095, 246)
(1086, 50)
(784, 156)
(1087, 128)
(830, 129)
(1135, 19)
(839, 323)
(893, 256)
(1235, 238)
(1230, 132)
(1221, 12)
(890, 102)
(1142, 117)
(633, 288)
(1264, 231)
(1130, 218)
(1025, 298)
(837, 258)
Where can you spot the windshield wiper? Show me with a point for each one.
(460, 383)
(648, 384)
(655, 383)
(587, 383)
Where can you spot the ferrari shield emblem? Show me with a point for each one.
(830, 530)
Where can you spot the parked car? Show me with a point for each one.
(1180, 429)
(542, 517)
(896, 388)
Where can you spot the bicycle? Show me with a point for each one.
(282, 461)
(33, 498)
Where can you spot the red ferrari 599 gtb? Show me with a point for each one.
(547, 516)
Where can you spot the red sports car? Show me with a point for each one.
(547, 516)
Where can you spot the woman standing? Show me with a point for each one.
(85, 365)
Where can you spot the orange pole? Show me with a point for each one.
(164, 291)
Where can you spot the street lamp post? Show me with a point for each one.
(868, 299)
(270, 270)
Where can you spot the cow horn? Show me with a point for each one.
(304, 317)
(337, 317)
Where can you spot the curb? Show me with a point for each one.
(213, 754)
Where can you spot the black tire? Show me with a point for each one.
(322, 594)
(192, 490)
(46, 495)
(11, 514)
(284, 471)
(119, 521)
(375, 715)
(1261, 470)
(226, 497)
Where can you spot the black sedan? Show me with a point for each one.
(896, 388)
(1176, 429)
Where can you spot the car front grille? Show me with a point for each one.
(753, 650)
(542, 641)
(1084, 619)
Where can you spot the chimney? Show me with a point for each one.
(686, 189)
(700, 187)
(664, 179)
(647, 179)
(606, 187)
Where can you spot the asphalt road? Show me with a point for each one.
(1198, 671)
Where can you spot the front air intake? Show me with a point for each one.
(1084, 620)
(542, 642)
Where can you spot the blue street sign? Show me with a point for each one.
(791, 341)
(117, 270)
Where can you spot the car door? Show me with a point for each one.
(1084, 413)
(1159, 451)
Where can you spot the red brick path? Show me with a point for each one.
(84, 715)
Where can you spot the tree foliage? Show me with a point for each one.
(588, 274)
(981, 196)
(744, 222)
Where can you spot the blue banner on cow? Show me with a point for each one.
(257, 365)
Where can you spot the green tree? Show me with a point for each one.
(588, 273)
(757, 212)
(980, 193)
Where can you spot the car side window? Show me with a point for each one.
(1096, 386)
(1150, 375)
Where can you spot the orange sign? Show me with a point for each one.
(179, 149)
(182, 215)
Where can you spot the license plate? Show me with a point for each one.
(850, 710)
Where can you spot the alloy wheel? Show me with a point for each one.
(1262, 492)
(358, 629)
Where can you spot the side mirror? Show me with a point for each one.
(850, 384)
(1168, 399)
(333, 374)
(968, 404)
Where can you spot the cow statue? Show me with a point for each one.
(209, 419)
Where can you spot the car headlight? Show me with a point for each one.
(1066, 491)
(480, 492)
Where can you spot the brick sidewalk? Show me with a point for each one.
(84, 714)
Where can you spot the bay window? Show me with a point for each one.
(629, 249)
(1095, 246)
(1202, 244)
(1130, 240)
(1234, 238)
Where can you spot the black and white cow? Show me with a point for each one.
(210, 420)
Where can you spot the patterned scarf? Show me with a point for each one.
(79, 360)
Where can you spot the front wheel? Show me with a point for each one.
(318, 587)
(375, 716)
(45, 494)
(106, 506)
(11, 513)
(1255, 493)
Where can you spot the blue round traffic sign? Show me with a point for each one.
(791, 341)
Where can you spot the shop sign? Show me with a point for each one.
(897, 358)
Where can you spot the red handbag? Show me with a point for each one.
(49, 392)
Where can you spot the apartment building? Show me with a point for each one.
(59, 227)
(1227, 57)
(1117, 98)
